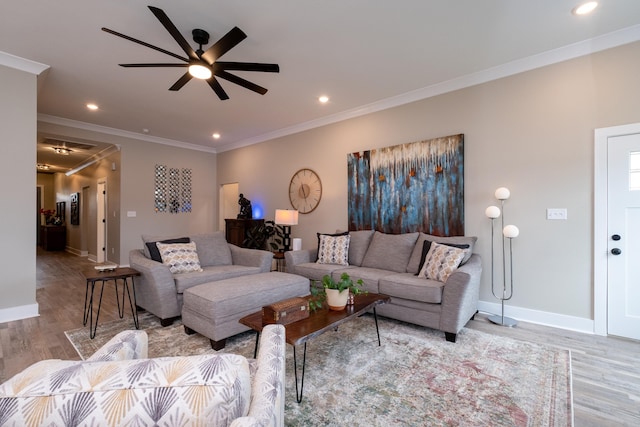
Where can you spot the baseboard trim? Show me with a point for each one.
(77, 252)
(17, 313)
(545, 318)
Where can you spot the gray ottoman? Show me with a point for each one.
(213, 309)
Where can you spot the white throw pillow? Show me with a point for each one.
(441, 261)
(333, 249)
(179, 257)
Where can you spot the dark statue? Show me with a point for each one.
(245, 208)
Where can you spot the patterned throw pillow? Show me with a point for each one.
(441, 261)
(179, 257)
(333, 249)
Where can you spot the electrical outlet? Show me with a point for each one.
(556, 213)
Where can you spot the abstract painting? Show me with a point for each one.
(418, 186)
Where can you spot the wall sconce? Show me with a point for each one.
(509, 232)
(286, 218)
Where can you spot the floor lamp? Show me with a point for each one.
(286, 218)
(509, 233)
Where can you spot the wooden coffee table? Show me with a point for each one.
(318, 322)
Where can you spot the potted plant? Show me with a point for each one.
(267, 235)
(338, 291)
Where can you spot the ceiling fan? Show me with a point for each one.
(203, 64)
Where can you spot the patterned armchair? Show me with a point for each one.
(118, 385)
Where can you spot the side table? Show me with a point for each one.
(279, 258)
(116, 274)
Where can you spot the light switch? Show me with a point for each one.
(557, 213)
(131, 214)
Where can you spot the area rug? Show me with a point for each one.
(415, 378)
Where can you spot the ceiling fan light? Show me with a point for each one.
(200, 71)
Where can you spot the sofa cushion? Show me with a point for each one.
(174, 384)
(358, 245)
(426, 245)
(390, 251)
(213, 249)
(409, 287)
(211, 274)
(152, 248)
(416, 255)
(441, 261)
(152, 238)
(179, 257)
(315, 271)
(333, 249)
(370, 276)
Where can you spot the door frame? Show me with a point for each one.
(101, 230)
(600, 222)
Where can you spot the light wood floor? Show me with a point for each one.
(606, 370)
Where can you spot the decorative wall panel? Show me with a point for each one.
(172, 192)
(417, 186)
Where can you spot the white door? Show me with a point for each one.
(102, 222)
(623, 226)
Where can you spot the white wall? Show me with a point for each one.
(531, 132)
(18, 175)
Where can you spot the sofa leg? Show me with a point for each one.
(450, 336)
(218, 345)
(166, 322)
(474, 315)
(189, 331)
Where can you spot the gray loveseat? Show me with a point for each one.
(160, 292)
(389, 264)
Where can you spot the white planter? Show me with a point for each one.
(337, 300)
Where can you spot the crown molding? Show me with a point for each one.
(583, 48)
(122, 133)
(22, 64)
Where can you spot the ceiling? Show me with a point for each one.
(365, 55)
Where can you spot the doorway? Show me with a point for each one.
(229, 194)
(101, 211)
(617, 231)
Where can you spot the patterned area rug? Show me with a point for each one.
(415, 378)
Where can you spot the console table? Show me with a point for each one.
(236, 229)
(53, 237)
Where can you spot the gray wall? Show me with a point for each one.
(17, 173)
(131, 189)
(531, 132)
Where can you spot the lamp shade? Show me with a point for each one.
(510, 231)
(492, 212)
(502, 193)
(286, 217)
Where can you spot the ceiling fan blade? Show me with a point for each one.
(145, 44)
(248, 66)
(152, 65)
(168, 25)
(224, 45)
(217, 88)
(181, 81)
(240, 81)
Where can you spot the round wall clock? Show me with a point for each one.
(305, 190)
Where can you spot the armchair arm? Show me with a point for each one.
(267, 390)
(460, 295)
(155, 287)
(251, 257)
(126, 345)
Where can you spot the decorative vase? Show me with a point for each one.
(337, 300)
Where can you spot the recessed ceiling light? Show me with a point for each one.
(62, 150)
(585, 8)
(92, 107)
(42, 166)
(323, 99)
(216, 135)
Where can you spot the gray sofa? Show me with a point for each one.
(389, 264)
(160, 292)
